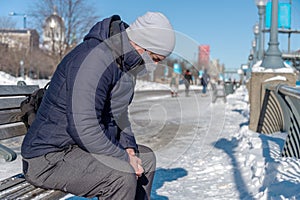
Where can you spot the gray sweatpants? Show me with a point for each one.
(83, 174)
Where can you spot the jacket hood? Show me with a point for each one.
(112, 32)
(101, 30)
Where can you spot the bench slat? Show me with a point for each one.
(17, 187)
(12, 130)
(11, 181)
(15, 90)
(17, 190)
(10, 103)
(47, 194)
(13, 189)
(32, 194)
(10, 116)
(20, 192)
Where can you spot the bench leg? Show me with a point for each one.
(8, 154)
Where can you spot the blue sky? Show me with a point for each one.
(227, 26)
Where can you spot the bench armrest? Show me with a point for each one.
(7, 153)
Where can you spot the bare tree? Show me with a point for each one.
(7, 23)
(36, 62)
(77, 15)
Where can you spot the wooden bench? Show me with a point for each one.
(11, 126)
(218, 91)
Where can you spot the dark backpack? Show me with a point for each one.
(31, 104)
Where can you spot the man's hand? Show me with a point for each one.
(135, 162)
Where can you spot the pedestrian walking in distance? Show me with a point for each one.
(174, 85)
(188, 80)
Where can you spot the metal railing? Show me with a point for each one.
(289, 91)
(281, 112)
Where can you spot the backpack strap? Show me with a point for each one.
(47, 85)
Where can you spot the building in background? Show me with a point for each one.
(203, 56)
(54, 34)
(18, 46)
(216, 68)
(19, 39)
(26, 55)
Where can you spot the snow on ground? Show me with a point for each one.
(6, 79)
(241, 164)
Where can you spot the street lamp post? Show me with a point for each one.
(272, 58)
(256, 34)
(252, 60)
(261, 5)
(254, 52)
(52, 26)
(20, 14)
(22, 70)
(261, 79)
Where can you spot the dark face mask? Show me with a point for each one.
(149, 64)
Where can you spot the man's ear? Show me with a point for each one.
(139, 49)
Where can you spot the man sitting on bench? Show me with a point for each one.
(81, 141)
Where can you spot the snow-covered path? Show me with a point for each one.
(228, 161)
(204, 170)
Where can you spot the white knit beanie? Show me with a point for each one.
(153, 32)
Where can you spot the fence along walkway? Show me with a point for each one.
(281, 112)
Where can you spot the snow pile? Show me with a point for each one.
(264, 172)
(258, 68)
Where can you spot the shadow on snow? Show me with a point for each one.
(228, 146)
(165, 175)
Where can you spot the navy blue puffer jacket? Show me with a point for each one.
(87, 101)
